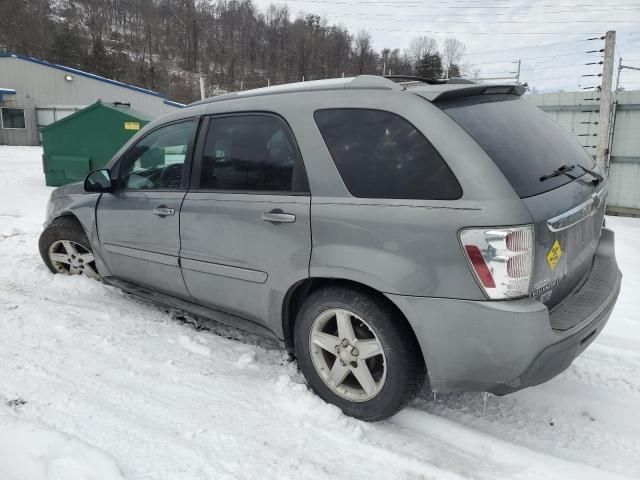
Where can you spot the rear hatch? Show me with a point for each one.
(567, 208)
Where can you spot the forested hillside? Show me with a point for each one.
(165, 45)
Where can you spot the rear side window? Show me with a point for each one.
(522, 140)
(381, 155)
(254, 152)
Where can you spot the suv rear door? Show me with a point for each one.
(245, 223)
(567, 208)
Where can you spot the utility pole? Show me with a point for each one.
(606, 94)
(384, 68)
(620, 68)
(518, 73)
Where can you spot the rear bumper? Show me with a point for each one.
(504, 346)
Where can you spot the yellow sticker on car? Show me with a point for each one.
(554, 254)
(131, 126)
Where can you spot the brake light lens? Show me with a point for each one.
(501, 259)
(479, 265)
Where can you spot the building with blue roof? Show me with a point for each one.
(35, 93)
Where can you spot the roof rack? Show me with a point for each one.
(429, 81)
(412, 78)
(373, 82)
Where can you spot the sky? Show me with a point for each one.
(550, 38)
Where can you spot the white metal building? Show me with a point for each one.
(579, 112)
(35, 93)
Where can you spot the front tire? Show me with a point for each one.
(357, 352)
(65, 248)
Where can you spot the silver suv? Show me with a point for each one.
(386, 232)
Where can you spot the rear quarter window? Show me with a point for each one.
(523, 141)
(381, 155)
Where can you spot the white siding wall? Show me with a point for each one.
(571, 109)
(40, 86)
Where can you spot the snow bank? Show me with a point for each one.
(170, 402)
(28, 452)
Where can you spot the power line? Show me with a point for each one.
(575, 65)
(540, 57)
(449, 32)
(544, 78)
(485, 52)
(543, 57)
(556, 56)
(496, 22)
(482, 4)
(492, 14)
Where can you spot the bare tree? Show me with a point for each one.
(421, 46)
(362, 51)
(452, 55)
(167, 45)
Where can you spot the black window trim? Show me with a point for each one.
(199, 150)
(116, 172)
(453, 175)
(24, 117)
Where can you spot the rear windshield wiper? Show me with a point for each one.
(562, 170)
(598, 178)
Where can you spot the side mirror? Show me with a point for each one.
(98, 181)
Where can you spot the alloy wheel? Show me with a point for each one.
(347, 355)
(72, 258)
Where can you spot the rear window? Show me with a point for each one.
(381, 155)
(522, 140)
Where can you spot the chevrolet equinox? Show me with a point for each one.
(388, 233)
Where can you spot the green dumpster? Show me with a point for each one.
(86, 140)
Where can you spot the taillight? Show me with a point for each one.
(501, 259)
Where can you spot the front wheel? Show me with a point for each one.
(358, 353)
(65, 248)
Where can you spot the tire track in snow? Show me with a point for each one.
(148, 401)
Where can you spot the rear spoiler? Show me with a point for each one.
(451, 91)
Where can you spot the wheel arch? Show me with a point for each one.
(297, 294)
(84, 217)
(67, 215)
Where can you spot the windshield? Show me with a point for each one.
(523, 141)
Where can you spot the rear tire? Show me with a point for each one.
(357, 352)
(65, 248)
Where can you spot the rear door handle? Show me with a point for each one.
(163, 211)
(278, 216)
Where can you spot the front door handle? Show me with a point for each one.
(163, 211)
(278, 216)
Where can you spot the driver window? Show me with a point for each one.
(157, 161)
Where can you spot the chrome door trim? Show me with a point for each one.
(578, 213)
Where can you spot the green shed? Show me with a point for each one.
(86, 140)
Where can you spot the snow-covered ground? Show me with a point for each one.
(97, 385)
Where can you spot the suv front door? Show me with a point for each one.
(138, 224)
(245, 225)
